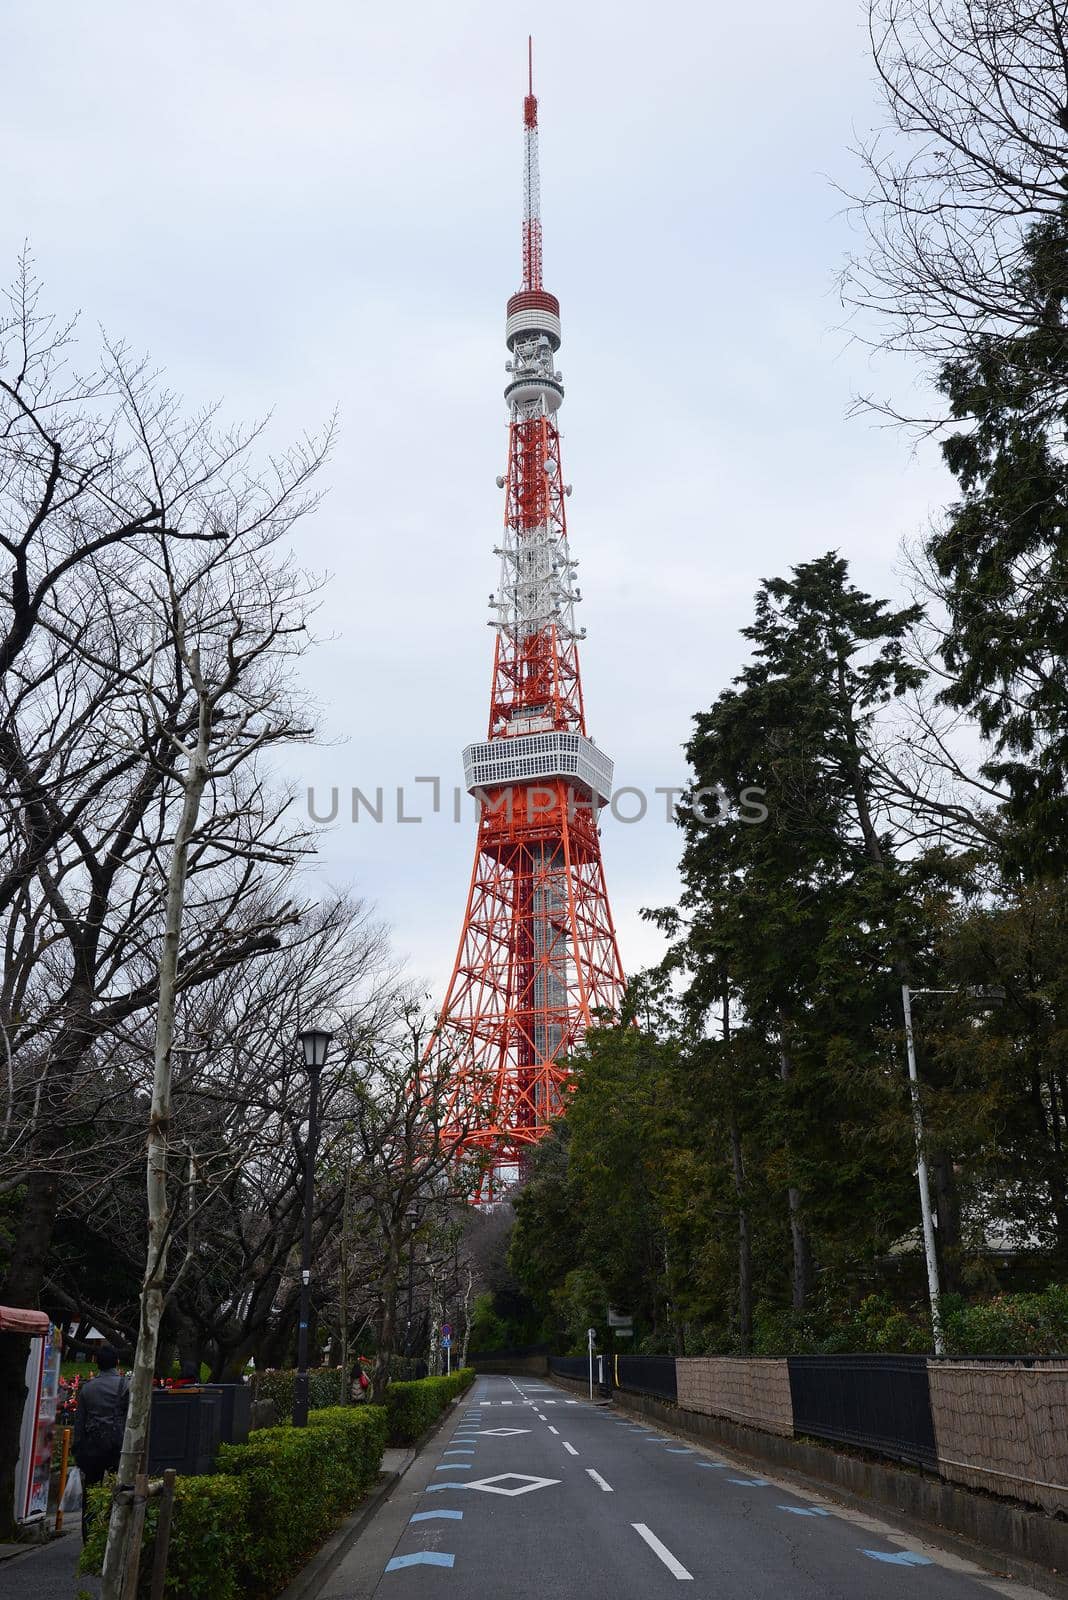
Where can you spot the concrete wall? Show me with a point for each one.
(1003, 1428)
(753, 1392)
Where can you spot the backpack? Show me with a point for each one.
(103, 1435)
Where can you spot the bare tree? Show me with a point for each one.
(973, 152)
(101, 477)
(225, 626)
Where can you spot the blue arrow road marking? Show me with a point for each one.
(806, 1511)
(899, 1558)
(432, 1516)
(421, 1558)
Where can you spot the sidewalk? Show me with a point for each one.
(46, 1571)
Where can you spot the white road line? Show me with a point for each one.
(554, 1430)
(676, 1568)
(599, 1481)
(570, 1448)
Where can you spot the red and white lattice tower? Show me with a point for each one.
(537, 959)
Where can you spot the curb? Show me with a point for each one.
(311, 1577)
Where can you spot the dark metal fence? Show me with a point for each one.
(570, 1366)
(653, 1375)
(881, 1403)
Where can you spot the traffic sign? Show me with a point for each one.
(446, 1330)
(446, 1341)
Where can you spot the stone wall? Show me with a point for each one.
(750, 1391)
(1004, 1428)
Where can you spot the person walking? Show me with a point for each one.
(99, 1423)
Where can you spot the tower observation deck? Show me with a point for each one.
(537, 959)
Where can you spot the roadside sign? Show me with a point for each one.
(446, 1341)
(446, 1330)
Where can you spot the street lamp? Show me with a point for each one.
(314, 1043)
(934, 1287)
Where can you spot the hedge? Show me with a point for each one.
(412, 1408)
(324, 1388)
(245, 1529)
(209, 1538)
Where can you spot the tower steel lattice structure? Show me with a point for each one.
(537, 958)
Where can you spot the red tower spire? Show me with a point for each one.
(537, 957)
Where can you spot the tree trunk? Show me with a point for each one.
(343, 1284)
(801, 1271)
(745, 1247)
(135, 1439)
(387, 1322)
(947, 1212)
(466, 1303)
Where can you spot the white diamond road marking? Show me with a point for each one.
(523, 1484)
(674, 1566)
(502, 1433)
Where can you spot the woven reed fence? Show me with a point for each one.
(1003, 1427)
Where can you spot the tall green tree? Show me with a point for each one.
(1001, 557)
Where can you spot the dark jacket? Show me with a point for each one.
(98, 1421)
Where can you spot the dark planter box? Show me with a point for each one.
(185, 1431)
(236, 1419)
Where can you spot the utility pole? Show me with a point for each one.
(934, 1287)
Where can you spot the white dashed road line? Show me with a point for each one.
(554, 1430)
(675, 1567)
(570, 1448)
(599, 1481)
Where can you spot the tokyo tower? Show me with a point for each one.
(537, 958)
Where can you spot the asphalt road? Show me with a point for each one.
(533, 1495)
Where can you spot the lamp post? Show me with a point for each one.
(934, 1287)
(314, 1042)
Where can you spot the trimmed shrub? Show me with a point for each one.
(209, 1538)
(245, 1529)
(412, 1408)
(299, 1481)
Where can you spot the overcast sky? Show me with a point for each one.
(306, 206)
